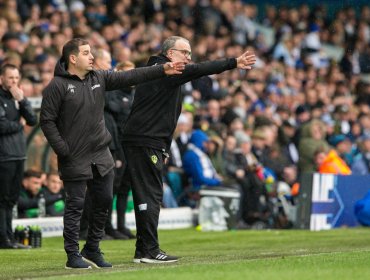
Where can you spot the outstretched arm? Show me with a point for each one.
(118, 80)
(197, 70)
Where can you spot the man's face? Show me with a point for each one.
(319, 159)
(84, 60)
(10, 78)
(180, 52)
(104, 62)
(54, 183)
(32, 184)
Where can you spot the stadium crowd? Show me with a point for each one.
(298, 110)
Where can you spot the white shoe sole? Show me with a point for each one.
(66, 267)
(145, 260)
(136, 260)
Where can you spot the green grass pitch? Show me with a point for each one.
(271, 254)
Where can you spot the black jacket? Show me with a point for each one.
(157, 104)
(117, 108)
(72, 119)
(12, 139)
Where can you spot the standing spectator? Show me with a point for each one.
(15, 112)
(72, 120)
(148, 134)
(312, 138)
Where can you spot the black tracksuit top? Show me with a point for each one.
(12, 139)
(157, 104)
(72, 117)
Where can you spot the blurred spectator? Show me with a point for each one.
(343, 147)
(15, 113)
(312, 138)
(329, 162)
(54, 195)
(197, 163)
(361, 162)
(29, 196)
(247, 171)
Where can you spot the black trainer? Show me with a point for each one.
(75, 261)
(96, 259)
(160, 257)
(139, 254)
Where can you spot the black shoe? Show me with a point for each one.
(96, 259)
(7, 245)
(21, 246)
(160, 257)
(10, 245)
(127, 232)
(75, 261)
(139, 254)
(115, 234)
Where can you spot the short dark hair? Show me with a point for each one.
(6, 67)
(51, 173)
(32, 173)
(72, 47)
(170, 43)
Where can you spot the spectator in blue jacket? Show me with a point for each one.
(197, 163)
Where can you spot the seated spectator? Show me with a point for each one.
(169, 200)
(54, 195)
(329, 162)
(248, 173)
(29, 195)
(361, 162)
(343, 147)
(197, 163)
(31, 191)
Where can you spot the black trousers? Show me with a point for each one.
(11, 174)
(121, 189)
(100, 190)
(145, 172)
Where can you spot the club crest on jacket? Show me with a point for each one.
(154, 159)
(71, 89)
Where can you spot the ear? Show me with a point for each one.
(72, 59)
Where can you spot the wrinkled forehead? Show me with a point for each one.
(182, 45)
(84, 48)
(11, 72)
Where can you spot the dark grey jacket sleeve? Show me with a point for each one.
(27, 112)
(7, 126)
(50, 107)
(118, 80)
